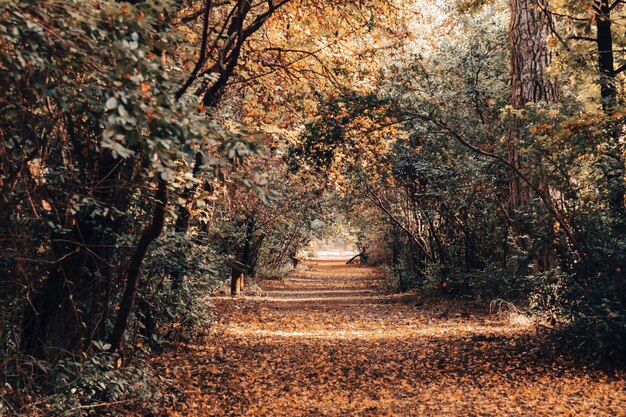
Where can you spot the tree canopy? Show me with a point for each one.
(152, 151)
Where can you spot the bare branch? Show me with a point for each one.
(582, 38)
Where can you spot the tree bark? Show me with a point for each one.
(606, 66)
(529, 27)
(134, 269)
(613, 166)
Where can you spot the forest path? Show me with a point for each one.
(326, 341)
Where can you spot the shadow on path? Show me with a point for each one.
(326, 341)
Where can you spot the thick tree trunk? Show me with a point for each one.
(528, 31)
(529, 27)
(236, 279)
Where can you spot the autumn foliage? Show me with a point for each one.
(169, 171)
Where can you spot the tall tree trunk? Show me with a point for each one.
(528, 32)
(530, 57)
(134, 269)
(606, 66)
(613, 161)
(529, 27)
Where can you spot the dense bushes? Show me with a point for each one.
(92, 144)
(122, 198)
(458, 212)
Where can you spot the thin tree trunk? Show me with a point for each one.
(613, 166)
(134, 269)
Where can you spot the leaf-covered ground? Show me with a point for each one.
(326, 341)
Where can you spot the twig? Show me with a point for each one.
(83, 407)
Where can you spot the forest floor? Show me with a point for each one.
(329, 341)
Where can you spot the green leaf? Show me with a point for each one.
(111, 103)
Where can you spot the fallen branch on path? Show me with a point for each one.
(360, 254)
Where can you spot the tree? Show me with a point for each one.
(529, 28)
(90, 130)
(614, 167)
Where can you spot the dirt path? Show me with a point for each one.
(327, 342)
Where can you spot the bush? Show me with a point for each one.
(82, 386)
